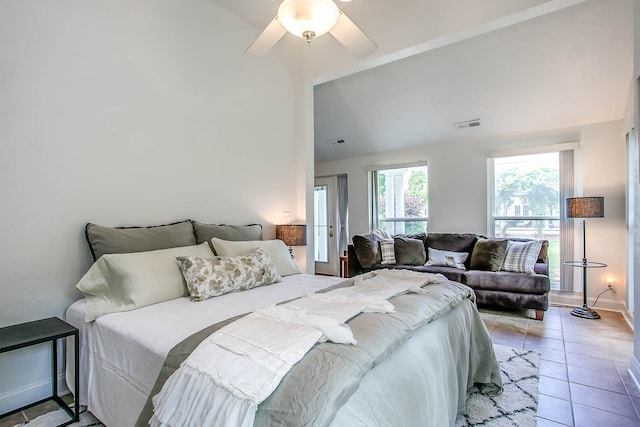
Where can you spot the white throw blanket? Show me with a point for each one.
(232, 371)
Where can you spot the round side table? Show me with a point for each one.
(584, 311)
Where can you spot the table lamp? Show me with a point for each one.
(292, 235)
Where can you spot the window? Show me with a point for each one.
(320, 230)
(399, 199)
(526, 202)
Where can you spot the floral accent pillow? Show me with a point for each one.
(212, 277)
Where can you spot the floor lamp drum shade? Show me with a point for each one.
(585, 207)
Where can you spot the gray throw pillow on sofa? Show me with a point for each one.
(409, 251)
(124, 240)
(488, 254)
(367, 248)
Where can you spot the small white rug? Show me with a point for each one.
(518, 403)
(515, 407)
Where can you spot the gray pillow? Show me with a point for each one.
(206, 232)
(124, 240)
(367, 250)
(488, 254)
(409, 251)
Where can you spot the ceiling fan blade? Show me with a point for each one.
(267, 39)
(352, 37)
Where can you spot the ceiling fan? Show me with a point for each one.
(308, 19)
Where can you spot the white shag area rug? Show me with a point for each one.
(518, 403)
(515, 407)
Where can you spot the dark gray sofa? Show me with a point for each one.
(502, 289)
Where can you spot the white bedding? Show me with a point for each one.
(122, 353)
(245, 361)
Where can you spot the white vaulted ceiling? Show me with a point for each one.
(520, 66)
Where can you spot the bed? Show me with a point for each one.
(424, 380)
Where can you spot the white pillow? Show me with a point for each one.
(447, 258)
(212, 277)
(123, 282)
(276, 249)
(387, 248)
(521, 257)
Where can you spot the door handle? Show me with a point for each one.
(331, 231)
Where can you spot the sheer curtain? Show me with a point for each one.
(343, 208)
(566, 226)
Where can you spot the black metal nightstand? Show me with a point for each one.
(40, 331)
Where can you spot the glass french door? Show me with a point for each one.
(325, 215)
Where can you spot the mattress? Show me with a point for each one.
(423, 382)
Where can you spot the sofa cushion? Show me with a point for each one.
(507, 281)
(542, 255)
(521, 257)
(388, 251)
(450, 273)
(419, 236)
(447, 258)
(367, 249)
(409, 251)
(455, 242)
(512, 299)
(488, 254)
(541, 268)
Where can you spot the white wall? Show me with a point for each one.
(127, 113)
(635, 234)
(458, 190)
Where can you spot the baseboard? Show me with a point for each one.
(31, 393)
(575, 300)
(634, 372)
(628, 317)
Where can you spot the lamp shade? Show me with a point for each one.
(292, 235)
(585, 207)
(308, 18)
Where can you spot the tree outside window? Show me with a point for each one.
(402, 199)
(527, 201)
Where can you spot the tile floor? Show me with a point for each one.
(583, 368)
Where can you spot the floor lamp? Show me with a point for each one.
(585, 207)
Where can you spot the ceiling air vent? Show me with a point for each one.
(336, 141)
(468, 124)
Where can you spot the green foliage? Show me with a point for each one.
(415, 199)
(418, 185)
(537, 188)
(382, 195)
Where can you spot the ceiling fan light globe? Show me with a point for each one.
(308, 16)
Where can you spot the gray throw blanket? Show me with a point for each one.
(319, 384)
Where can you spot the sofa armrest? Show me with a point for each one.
(354, 267)
(542, 267)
